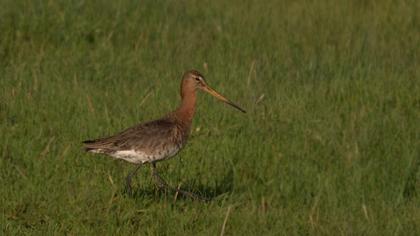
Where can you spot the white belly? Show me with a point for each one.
(139, 157)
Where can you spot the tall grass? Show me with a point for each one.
(330, 143)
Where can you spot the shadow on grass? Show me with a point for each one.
(411, 183)
(206, 192)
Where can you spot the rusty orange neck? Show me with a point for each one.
(186, 110)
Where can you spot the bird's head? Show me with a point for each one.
(193, 80)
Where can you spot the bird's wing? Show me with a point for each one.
(142, 137)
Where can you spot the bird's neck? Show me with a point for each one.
(186, 110)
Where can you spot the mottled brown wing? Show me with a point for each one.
(145, 137)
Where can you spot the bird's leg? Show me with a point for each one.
(128, 179)
(162, 183)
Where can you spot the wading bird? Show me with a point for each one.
(158, 140)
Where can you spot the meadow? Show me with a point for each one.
(329, 146)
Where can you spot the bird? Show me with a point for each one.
(158, 140)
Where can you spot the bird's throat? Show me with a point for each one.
(186, 110)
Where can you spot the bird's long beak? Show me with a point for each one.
(221, 98)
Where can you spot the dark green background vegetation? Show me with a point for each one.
(329, 146)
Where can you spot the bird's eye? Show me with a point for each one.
(197, 79)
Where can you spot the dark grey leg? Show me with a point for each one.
(162, 184)
(129, 176)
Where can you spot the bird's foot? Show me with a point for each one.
(191, 195)
(162, 185)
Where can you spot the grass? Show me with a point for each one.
(329, 146)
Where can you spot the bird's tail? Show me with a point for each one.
(89, 145)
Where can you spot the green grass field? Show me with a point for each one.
(329, 146)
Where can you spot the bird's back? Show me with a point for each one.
(147, 142)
